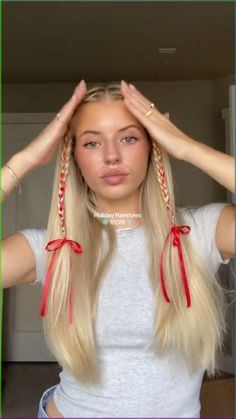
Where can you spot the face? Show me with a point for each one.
(109, 137)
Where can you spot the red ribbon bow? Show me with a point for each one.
(53, 246)
(176, 231)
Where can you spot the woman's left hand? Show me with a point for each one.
(158, 125)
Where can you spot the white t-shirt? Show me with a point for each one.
(135, 383)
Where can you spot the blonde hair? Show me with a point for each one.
(195, 332)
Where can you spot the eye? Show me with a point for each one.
(129, 142)
(91, 142)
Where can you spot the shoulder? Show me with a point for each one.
(34, 233)
(36, 238)
(203, 222)
(203, 215)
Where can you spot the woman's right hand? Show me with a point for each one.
(42, 149)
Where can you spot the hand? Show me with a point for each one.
(42, 149)
(157, 124)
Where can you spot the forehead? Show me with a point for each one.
(104, 115)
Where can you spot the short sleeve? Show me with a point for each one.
(203, 221)
(36, 239)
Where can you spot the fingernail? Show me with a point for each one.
(80, 84)
(132, 86)
(124, 83)
(76, 89)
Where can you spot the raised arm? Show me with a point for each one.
(18, 260)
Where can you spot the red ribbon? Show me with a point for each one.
(53, 246)
(176, 231)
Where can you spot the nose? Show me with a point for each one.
(112, 153)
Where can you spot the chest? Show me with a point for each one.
(125, 305)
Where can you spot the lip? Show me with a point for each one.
(114, 179)
(114, 173)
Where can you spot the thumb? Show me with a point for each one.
(67, 111)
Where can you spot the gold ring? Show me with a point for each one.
(150, 110)
(58, 119)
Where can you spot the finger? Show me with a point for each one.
(136, 110)
(135, 100)
(136, 97)
(167, 115)
(134, 93)
(129, 90)
(68, 109)
(142, 109)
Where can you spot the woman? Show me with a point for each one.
(131, 307)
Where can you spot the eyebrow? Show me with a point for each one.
(119, 130)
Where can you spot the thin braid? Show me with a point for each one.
(65, 163)
(161, 179)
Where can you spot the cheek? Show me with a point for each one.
(140, 155)
(85, 160)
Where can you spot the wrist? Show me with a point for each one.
(191, 147)
(21, 164)
(12, 173)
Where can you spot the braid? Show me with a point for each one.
(161, 179)
(175, 230)
(65, 163)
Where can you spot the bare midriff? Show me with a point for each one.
(51, 410)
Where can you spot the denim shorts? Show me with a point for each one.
(48, 394)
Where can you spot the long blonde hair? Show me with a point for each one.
(195, 332)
